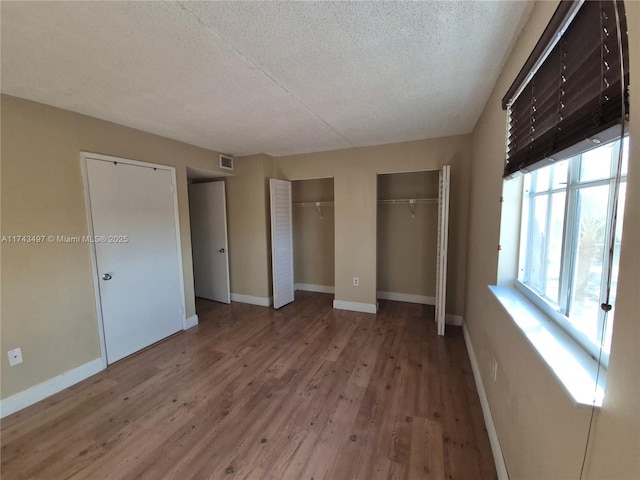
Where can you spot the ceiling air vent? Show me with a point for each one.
(226, 162)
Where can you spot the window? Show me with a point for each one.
(567, 110)
(566, 231)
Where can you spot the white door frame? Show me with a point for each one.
(226, 234)
(444, 186)
(84, 156)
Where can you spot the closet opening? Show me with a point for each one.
(412, 225)
(209, 243)
(313, 235)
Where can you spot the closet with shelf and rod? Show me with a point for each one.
(313, 235)
(412, 235)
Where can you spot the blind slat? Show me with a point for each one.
(576, 91)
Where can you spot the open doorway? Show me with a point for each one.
(209, 243)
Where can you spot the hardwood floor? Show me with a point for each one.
(306, 392)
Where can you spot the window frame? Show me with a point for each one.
(557, 312)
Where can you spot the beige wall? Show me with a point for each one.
(407, 245)
(48, 306)
(541, 431)
(313, 236)
(355, 189)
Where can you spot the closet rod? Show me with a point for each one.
(408, 201)
(398, 201)
(318, 206)
(313, 204)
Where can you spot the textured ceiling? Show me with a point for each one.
(263, 77)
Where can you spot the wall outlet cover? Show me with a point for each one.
(15, 356)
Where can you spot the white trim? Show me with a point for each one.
(309, 287)
(250, 299)
(498, 458)
(176, 212)
(49, 387)
(128, 161)
(444, 180)
(574, 369)
(456, 320)
(191, 322)
(406, 297)
(94, 257)
(355, 306)
(422, 170)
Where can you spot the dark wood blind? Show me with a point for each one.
(576, 92)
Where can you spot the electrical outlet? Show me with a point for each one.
(356, 281)
(15, 356)
(495, 370)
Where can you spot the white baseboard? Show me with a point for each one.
(355, 306)
(190, 322)
(498, 459)
(406, 297)
(262, 301)
(457, 320)
(309, 287)
(47, 388)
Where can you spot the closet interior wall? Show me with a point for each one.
(407, 237)
(313, 235)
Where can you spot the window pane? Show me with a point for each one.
(542, 179)
(566, 269)
(556, 226)
(625, 155)
(560, 174)
(615, 263)
(596, 163)
(588, 260)
(537, 242)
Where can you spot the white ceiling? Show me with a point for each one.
(263, 77)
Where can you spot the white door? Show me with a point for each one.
(281, 242)
(133, 215)
(208, 210)
(443, 238)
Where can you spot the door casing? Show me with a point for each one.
(201, 197)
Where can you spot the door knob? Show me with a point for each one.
(221, 250)
(106, 276)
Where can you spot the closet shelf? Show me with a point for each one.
(408, 201)
(318, 206)
(313, 204)
(398, 201)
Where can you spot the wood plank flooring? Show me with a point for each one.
(306, 392)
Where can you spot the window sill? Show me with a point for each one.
(570, 364)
